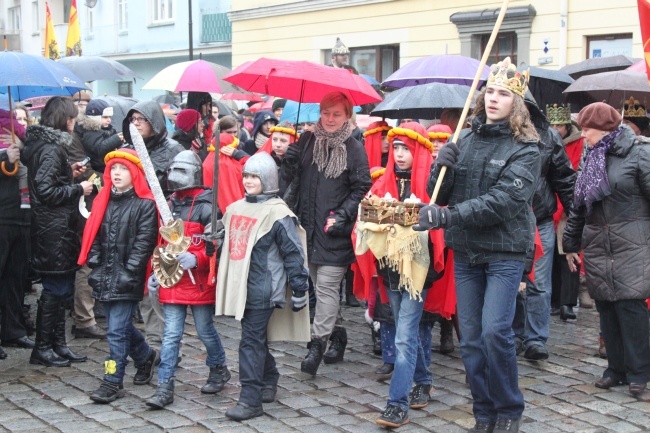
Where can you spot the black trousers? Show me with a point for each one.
(565, 283)
(14, 270)
(624, 325)
(256, 364)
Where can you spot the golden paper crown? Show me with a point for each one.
(558, 114)
(517, 83)
(633, 108)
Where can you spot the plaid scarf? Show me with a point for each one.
(330, 151)
(592, 184)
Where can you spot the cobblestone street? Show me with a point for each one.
(345, 397)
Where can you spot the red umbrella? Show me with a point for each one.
(192, 76)
(638, 66)
(301, 81)
(242, 96)
(262, 105)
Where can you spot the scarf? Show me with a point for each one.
(593, 184)
(260, 139)
(330, 151)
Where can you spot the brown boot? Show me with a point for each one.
(602, 350)
(584, 298)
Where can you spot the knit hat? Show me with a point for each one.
(187, 119)
(98, 108)
(339, 48)
(278, 103)
(599, 115)
(439, 132)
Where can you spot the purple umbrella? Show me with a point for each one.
(442, 68)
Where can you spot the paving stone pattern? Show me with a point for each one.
(346, 397)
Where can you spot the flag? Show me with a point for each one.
(73, 43)
(51, 47)
(644, 18)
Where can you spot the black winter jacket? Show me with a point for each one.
(123, 246)
(490, 194)
(318, 198)
(556, 173)
(96, 141)
(56, 241)
(185, 140)
(10, 212)
(162, 149)
(615, 237)
(277, 253)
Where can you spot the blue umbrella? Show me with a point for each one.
(370, 79)
(309, 112)
(29, 76)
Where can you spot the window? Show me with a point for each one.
(122, 16)
(163, 10)
(505, 45)
(378, 62)
(36, 19)
(609, 45)
(13, 19)
(125, 88)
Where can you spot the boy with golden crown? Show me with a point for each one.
(490, 226)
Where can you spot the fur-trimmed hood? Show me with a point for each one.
(574, 134)
(87, 123)
(39, 135)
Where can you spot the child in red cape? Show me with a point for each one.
(231, 187)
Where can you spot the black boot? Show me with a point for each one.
(219, 375)
(46, 318)
(107, 392)
(315, 355)
(339, 339)
(446, 336)
(3, 354)
(60, 346)
(163, 396)
(350, 299)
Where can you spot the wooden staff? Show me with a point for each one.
(472, 90)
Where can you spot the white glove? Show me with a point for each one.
(187, 260)
(153, 285)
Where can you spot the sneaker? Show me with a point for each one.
(107, 392)
(393, 416)
(504, 425)
(145, 371)
(482, 427)
(420, 396)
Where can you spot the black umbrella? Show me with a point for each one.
(91, 68)
(611, 87)
(424, 101)
(598, 65)
(168, 98)
(547, 85)
(121, 106)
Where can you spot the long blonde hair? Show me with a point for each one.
(519, 120)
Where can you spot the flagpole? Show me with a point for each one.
(470, 97)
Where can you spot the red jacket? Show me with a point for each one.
(194, 207)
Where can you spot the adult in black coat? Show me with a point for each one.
(610, 223)
(56, 239)
(327, 175)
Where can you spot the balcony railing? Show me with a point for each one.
(215, 27)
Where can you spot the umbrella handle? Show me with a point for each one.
(470, 97)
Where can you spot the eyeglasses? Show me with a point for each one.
(135, 119)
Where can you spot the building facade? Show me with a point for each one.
(383, 35)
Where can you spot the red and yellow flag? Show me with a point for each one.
(644, 18)
(51, 47)
(73, 42)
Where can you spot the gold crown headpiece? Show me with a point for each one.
(633, 108)
(558, 114)
(517, 83)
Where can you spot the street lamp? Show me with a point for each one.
(91, 3)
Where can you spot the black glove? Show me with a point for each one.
(239, 154)
(293, 151)
(298, 300)
(448, 155)
(209, 248)
(432, 217)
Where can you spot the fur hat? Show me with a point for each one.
(187, 119)
(599, 115)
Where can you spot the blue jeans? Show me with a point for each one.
(538, 302)
(59, 285)
(123, 339)
(410, 363)
(486, 296)
(175, 315)
(388, 331)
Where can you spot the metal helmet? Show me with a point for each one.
(263, 166)
(185, 172)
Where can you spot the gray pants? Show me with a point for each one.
(84, 316)
(154, 321)
(327, 282)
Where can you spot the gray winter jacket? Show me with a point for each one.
(490, 193)
(615, 237)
